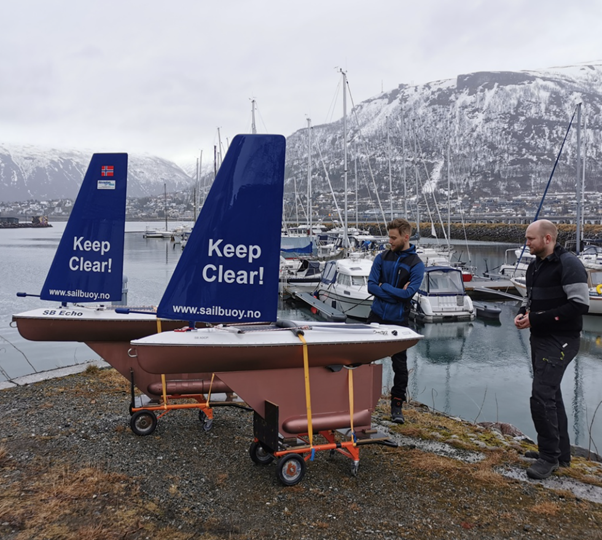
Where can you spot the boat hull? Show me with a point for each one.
(221, 350)
(88, 324)
(330, 398)
(595, 299)
(358, 308)
(109, 334)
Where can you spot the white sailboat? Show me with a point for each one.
(344, 283)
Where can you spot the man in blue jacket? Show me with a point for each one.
(557, 298)
(395, 277)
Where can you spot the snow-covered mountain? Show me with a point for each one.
(28, 172)
(503, 131)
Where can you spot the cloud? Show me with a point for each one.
(161, 77)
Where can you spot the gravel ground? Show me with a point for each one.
(72, 468)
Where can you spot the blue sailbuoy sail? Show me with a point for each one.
(88, 264)
(229, 269)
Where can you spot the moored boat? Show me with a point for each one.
(442, 297)
(344, 286)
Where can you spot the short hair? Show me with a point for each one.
(402, 225)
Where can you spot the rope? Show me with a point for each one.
(549, 181)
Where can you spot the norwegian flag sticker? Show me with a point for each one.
(106, 170)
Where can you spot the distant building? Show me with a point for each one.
(8, 221)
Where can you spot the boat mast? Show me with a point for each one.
(417, 195)
(219, 149)
(345, 230)
(200, 173)
(578, 183)
(357, 203)
(214, 161)
(310, 231)
(296, 201)
(405, 186)
(448, 198)
(194, 191)
(165, 204)
(253, 127)
(390, 178)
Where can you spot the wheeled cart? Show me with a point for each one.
(145, 413)
(339, 420)
(293, 454)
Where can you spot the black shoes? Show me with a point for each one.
(541, 469)
(396, 414)
(534, 454)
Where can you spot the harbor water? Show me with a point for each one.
(478, 370)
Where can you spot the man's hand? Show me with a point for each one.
(522, 321)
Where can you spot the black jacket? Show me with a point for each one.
(557, 294)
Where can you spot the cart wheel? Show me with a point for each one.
(207, 422)
(355, 467)
(259, 454)
(143, 422)
(290, 469)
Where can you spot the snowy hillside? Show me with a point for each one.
(28, 172)
(502, 130)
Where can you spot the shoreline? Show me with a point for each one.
(67, 440)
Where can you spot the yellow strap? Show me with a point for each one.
(307, 392)
(351, 408)
(164, 390)
(210, 386)
(158, 325)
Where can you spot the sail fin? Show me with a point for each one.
(229, 269)
(88, 264)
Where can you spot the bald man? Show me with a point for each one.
(553, 308)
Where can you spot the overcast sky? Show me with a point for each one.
(162, 77)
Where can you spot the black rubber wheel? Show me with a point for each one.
(207, 423)
(143, 423)
(290, 469)
(259, 454)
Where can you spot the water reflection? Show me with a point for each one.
(478, 370)
(483, 372)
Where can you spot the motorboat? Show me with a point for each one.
(431, 256)
(516, 262)
(591, 257)
(442, 297)
(300, 275)
(594, 284)
(344, 286)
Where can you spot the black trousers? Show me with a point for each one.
(550, 357)
(399, 362)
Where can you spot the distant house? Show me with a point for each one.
(8, 221)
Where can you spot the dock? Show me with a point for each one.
(490, 289)
(327, 312)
